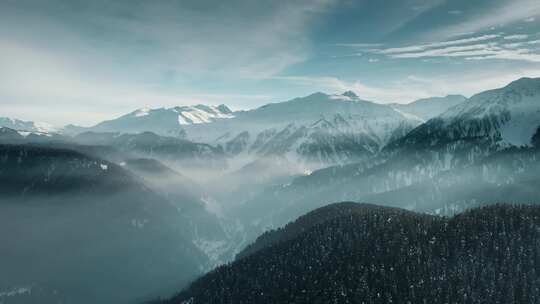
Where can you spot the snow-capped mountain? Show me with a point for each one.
(509, 115)
(503, 117)
(458, 141)
(164, 121)
(428, 108)
(318, 129)
(9, 135)
(26, 126)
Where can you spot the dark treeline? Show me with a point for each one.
(369, 254)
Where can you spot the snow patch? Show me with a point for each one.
(44, 127)
(142, 112)
(15, 291)
(212, 206)
(104, 167)
(212, 248)
(182, 120)
(523, 123)
(409, 116)
(340, 97)
(200, 114)
(197, 117)
(138, 223)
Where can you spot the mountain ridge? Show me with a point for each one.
(411, 257)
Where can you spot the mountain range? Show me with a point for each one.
(203, 183)
(463, 145)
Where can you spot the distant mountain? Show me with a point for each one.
(26, 126)
(81, 229)
(315, 131)
(190, 156)
(9, 135)
(511, 175)
(460, 142)
(500, 117)
(346, 253)
(428, 108)
(162, 121)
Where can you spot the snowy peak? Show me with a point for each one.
(187, 115)
(26, 126)
(162, 121)
(494, 119)
(513, 111)
(350, 94)
(200, 114)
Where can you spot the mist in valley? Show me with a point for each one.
(270, 152)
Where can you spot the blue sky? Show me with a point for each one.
(74, 61)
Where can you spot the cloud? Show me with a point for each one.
(423, 47)
(516, 37)
(359, 45)
(493, 47)
(496, 14)
(96, 59)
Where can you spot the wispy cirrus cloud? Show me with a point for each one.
(100, 58)
(499, 13)
(492, 46)
(516, 37)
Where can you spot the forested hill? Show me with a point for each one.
(369, 254)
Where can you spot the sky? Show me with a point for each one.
(78, 61)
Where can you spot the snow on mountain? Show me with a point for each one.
(187, 115)
(318, 128)
(202, 114)
(511, 114)
(461, 137)
(162, 121)
(26, 126)
(428, 108)
(494, 119)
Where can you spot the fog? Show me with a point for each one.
(119, 219)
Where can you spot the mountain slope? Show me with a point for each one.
(80, 229)
(505, 116)
(176, 152)
(511, 175)
(315, 131)
(197, 207)
(430, 107)
(464, 136)
(28, 126)
(383, 255)
(163, 121)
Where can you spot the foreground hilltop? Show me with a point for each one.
(357, 253)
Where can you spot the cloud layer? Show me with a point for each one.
(83, 61)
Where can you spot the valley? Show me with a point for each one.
(159, 197)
